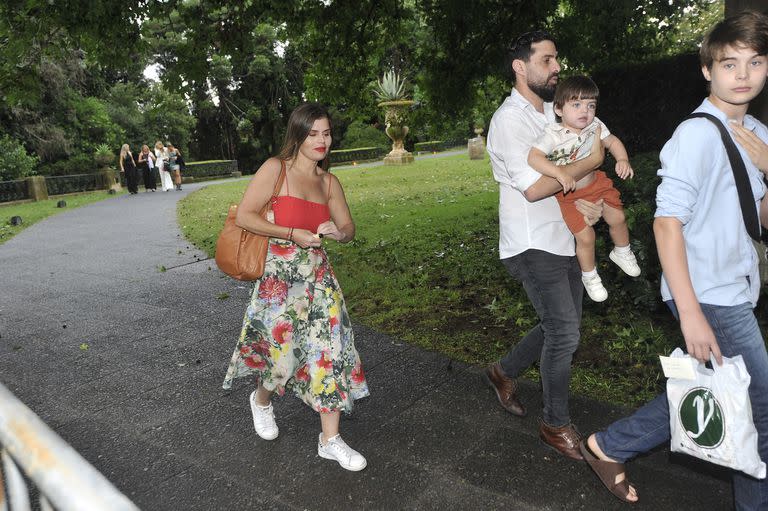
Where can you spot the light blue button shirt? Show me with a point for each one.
(698, 188)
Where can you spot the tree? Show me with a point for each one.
(33, 31)
(167, 117)
(224, 59)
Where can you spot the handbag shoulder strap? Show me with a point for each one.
(744, 189)
(280, 179)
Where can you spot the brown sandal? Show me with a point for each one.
(607, 471)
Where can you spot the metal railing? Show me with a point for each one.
(13, 190)
(58, 185)
(64, 479)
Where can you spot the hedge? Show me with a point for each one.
(643, 104)
(434, 146)
(358, 154)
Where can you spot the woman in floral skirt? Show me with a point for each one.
(296, 332)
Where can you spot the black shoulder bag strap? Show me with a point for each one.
(746, 199)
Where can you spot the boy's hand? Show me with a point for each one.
(699, 338)
(624, 169)
(566, 181)
(756, 148)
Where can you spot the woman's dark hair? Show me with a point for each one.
(299, 124)
(575, 87)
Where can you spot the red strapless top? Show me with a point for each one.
(299, 213)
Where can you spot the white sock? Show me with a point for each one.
(589, 274)
(622, 250)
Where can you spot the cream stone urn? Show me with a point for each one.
(395, 117)
(476, 146)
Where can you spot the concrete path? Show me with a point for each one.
(117, 332)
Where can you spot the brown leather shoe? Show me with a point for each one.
(505, 388)
(564, 439)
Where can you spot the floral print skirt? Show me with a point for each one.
(297, 334)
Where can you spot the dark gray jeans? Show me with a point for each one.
(553, 284)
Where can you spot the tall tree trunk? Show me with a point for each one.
(759, 107)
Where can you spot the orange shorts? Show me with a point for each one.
(600, 188)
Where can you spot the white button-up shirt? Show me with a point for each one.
(523, 225)
(698, 188)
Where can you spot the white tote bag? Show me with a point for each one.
(710, 416)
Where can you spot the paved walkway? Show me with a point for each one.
(144, 404)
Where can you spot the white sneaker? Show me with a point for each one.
(626, 262)
(594, 287)
(337, 449)
(263, 419)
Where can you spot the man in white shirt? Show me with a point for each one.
(535, 245)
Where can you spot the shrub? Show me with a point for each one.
(15, 163)
(431, 146)
(103, 155)
(639, 198)
(360, 134)
(639, 105)
(77, 164)
(357, 154)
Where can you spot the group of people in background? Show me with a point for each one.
(166, 163)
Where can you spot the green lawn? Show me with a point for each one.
(424, 267)
(33, 212)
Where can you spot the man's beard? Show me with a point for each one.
(543, 90)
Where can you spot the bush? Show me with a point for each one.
(15, 163)
(103, 155)
(432, 146)
(357, 154)
(360, 134)
(638, 104)
(77, 164)
(639, 197)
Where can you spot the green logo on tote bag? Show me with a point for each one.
(702, 418)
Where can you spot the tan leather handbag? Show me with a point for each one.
(242, 254)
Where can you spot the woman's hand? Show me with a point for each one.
(756, 148)
(305, 238)
(329, 230)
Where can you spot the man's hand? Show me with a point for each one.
(756, 148)
(592, 211)
(699, 338)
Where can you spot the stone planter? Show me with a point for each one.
(476, 146)
(395, 117)
(110, 179)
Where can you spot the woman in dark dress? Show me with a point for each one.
(147, 166)
(128, 167)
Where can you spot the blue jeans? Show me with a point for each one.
(737, 333)
(553, 284)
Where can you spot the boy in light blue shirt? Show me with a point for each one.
(710, 267)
